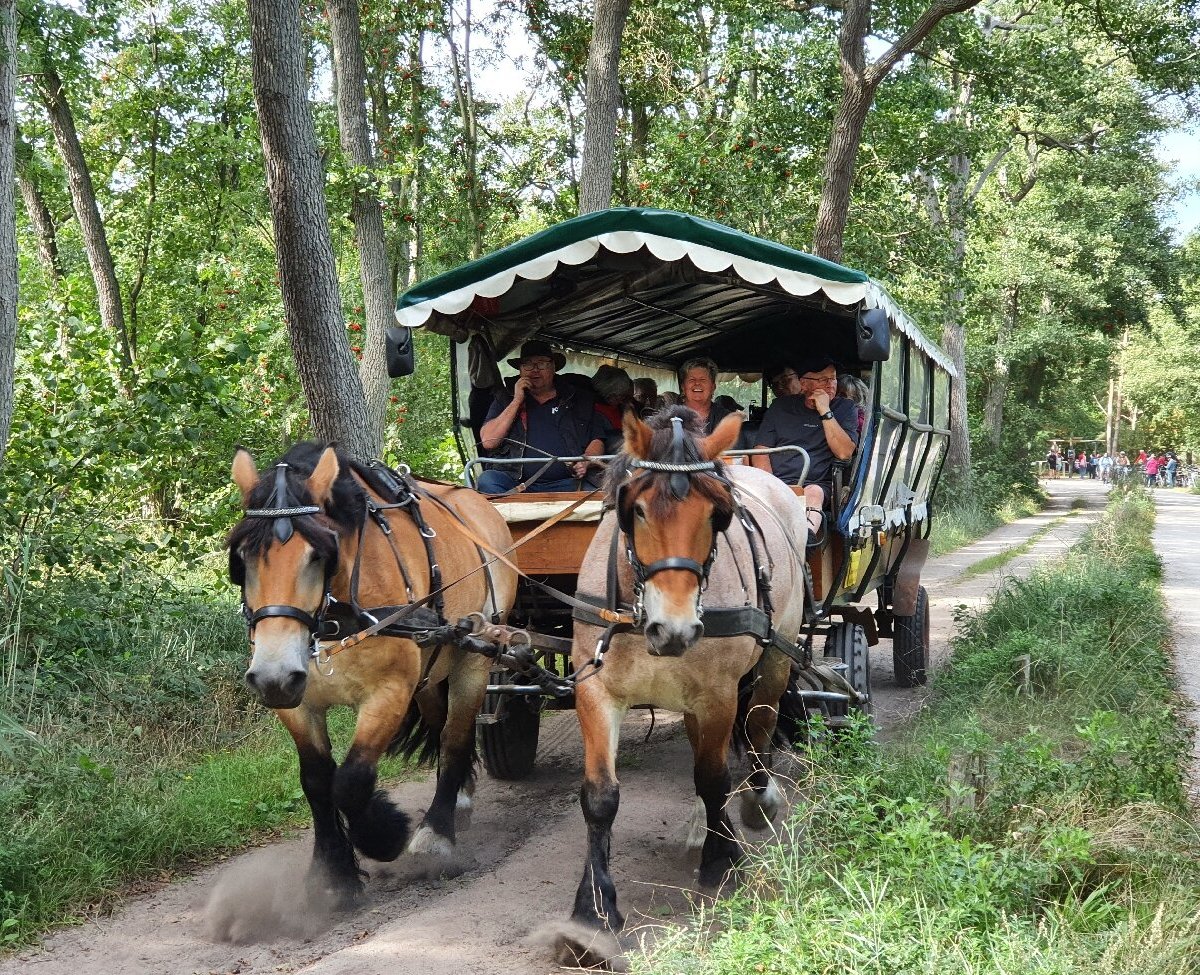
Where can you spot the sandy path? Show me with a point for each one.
(518, 865)
(1176, 532)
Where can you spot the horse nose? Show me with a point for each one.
(671, 641)
(278, 688)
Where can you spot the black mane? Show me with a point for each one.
(345, 510)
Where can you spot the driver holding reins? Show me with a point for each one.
(540, 421)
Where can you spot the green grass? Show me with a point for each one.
(961, 523)
(1001, 559)
(129, 748)
(1018, 826)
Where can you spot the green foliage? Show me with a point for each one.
(1013, 827)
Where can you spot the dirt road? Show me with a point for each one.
(517, 866)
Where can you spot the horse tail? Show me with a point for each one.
(416, 738)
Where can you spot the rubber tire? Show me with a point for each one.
(509, 747)
(848, 642)
(910, 644)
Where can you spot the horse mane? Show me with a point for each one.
(346, 507)
(664, 448)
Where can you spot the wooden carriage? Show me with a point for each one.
(648, 289)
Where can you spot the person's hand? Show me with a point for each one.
(820, 400)
(519, 390)
(579, 468)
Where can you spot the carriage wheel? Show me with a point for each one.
(508, 730)
(910, 644)
(848, 642)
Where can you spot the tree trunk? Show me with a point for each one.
(8, 218)
(997, 391)
(303, 250)
(954, 338)
(460, 64)
(379, 300)
(602, 105)
(859, 84)
(91, 226)
(40, 217)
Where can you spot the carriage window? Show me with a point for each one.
(918, 384)
(941, 399)
(891, 376)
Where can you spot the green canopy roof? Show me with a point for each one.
(658, 286)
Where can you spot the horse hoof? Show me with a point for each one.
(697, 826)
(580, 946)
(760, 809)
(426, 840)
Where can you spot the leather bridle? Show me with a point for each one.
(282, 514)
(680, 484)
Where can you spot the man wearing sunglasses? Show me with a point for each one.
(807, 413)
(540, 421)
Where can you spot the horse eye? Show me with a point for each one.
(639, 510)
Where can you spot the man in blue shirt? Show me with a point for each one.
(540, 421)
(806, 413)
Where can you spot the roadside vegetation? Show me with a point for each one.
(1030, 820)
(961, 523)
(128, 748)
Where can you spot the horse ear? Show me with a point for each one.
(722, 438)
(245, 473)
(320, 482)
(637, 436)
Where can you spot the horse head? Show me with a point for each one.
(672, 500)
(283, 555)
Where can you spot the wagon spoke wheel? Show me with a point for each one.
(508, 730)
(910, 644)
(848, 643)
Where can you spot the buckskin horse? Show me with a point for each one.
(327, 545)
(700, 550)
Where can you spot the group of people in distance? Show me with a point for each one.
(1160, 468)
(547, 416)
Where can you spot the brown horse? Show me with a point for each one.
(323, 535)
(696, 535)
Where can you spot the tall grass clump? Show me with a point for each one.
(1031, 821)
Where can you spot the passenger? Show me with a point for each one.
(667, 399)
(614, 393)
(540, 422)
(645, 397)
(854, 389)
(728, 403)
(698, 383)
(807, 413)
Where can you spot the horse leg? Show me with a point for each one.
(710, 733)
(334, 866)
(600, 721)
(455, 716)
(377, 828)
(761, 799)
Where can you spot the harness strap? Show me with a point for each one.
(291, 612)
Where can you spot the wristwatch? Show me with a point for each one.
(827, 415)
